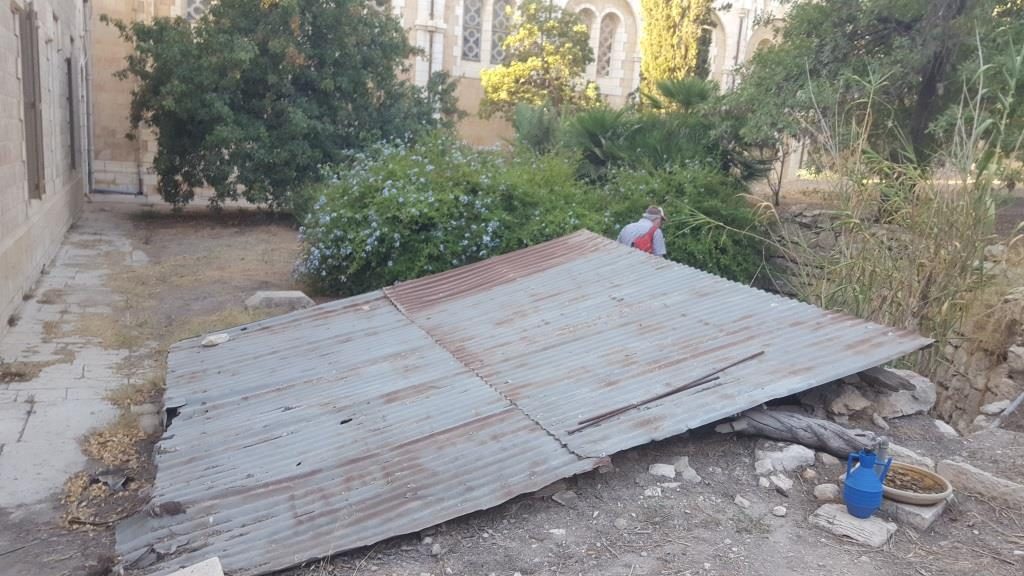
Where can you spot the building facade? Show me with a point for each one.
(461, 37)
(44, 47)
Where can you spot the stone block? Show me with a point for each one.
(971, 480)
(907, 402)
(834, 518)
(32, 472)
(278, 299)
(210, 567)
(784, 457)
(663, 470)
(919, 518)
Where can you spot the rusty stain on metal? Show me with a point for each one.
(342, 425)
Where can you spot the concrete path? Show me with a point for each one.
(41, 419)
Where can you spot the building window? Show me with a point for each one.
(501, 20)
(28, 33)
(70, 94)
(605, 42)
(196, 9)
(472, 11)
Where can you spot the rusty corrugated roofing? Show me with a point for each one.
(342, 425)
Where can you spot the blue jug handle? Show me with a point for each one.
(849, 462)
(885, 470)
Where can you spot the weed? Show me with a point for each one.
(13, 319)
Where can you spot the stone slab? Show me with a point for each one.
(12, 419)
(278, 299)
(967, 478)
(834, 518)
(919, 518)
(209, 567)
(31, 472)
(68, 420)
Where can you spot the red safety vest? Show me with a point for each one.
(646, 242)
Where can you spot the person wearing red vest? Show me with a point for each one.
(645, 234)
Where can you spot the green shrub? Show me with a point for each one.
(401, 212)
(689, 195)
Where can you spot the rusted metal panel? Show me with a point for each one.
(348, 423)
(325, 430)
(612, 326)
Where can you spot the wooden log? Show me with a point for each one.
(885, 380)
(811, 432)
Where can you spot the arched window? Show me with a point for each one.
(588, 18)
(605, 42)
(501, 17)
(472, 20)
(196, 9)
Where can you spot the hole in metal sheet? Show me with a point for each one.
(345, 421)
(299, 463)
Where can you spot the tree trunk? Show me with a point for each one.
(811, 432)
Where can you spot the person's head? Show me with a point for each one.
(655, 214)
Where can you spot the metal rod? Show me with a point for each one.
(709, 377)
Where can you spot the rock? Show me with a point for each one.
(209, 567)
(566, 498)
(763, 467)
(1015, 359)
(150, 424)
(809, 474)
(907, 402)
(551, 489)
(215, 340)
(849, 401)
(664, 470)
(883, 379)
(670, 485)
(826, 459)
(967, 478)
(147, 408)
(606, 468)
(834, 518)
(946, 430)
(621, 523)
(826, 492)
(436, 549)
(995, 408)
(879, 421)
(919, 518)
(763, 482)
(686, 471)
(779, 511)
(784, 457)
(908, 456)
(741, 501)
(279, 300)
(995, 253)
(981, 422)
(427, 540)
(652, 492)
(781, 483)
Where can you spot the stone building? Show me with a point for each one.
(44, 46)
(461, 37)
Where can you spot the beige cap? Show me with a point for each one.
(655, 212)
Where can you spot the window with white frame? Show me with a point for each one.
(472, 29)
(501, 20)
(606, 43)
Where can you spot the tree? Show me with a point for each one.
(545, 57)
(907, 58)
(254, 98)
(673, 30)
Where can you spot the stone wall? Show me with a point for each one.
(982, 366)
(33, 222)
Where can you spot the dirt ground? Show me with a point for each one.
(697, 529)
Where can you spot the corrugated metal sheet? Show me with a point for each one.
(341, 425)
(611, 325)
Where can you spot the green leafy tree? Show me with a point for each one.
(255, 97)
(545, 57)
(671, 43)
(906, 58)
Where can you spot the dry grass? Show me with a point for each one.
(114, 333)
(51, 296)
(20, 371)
(148, 389)
(116, 445)
(52, 330)
(227, 318)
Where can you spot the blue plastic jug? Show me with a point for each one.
(863, 490)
